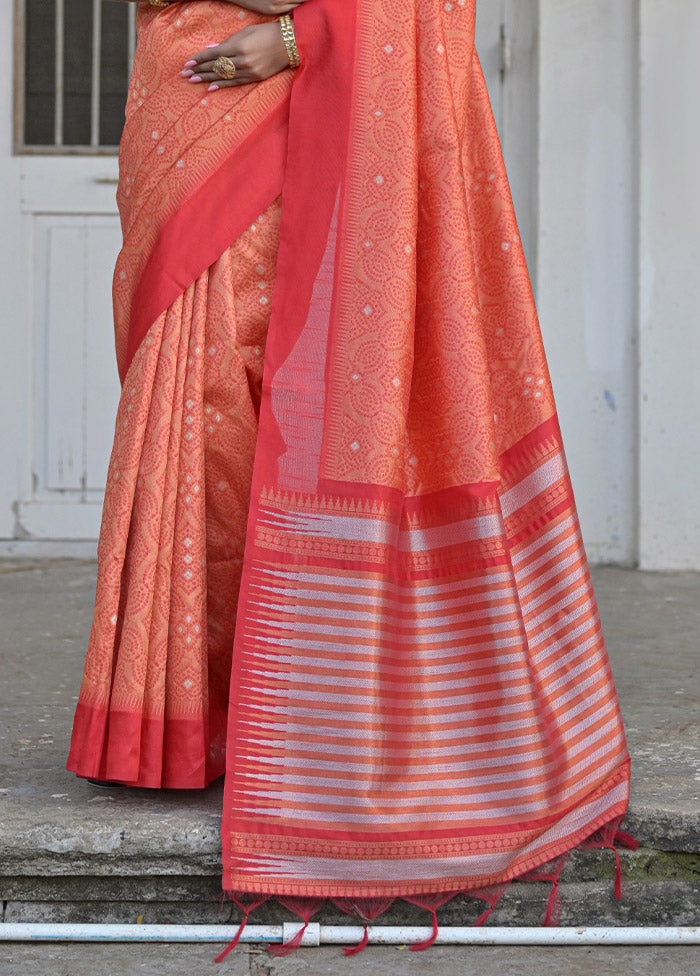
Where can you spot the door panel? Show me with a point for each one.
(74, 349)
(506, 41)
(76, 385)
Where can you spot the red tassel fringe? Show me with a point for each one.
(367, 909)
(288, 947)
(305, 908)
(353, 950)
(246, 909)
(234, 941)
(607, 838)
(626, 840)
(364, 909)
(491, 895)
(420, 946)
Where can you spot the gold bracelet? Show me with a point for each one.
(160, 3)
(290, 41)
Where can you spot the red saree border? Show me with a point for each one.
(318, 132)
(365, 910)
(94, 755)
(445, 886)
(214, 216)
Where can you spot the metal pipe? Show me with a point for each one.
(318, 934)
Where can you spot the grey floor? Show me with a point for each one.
(195, 960)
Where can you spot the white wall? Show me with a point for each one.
(669, 281)
(586, 270)
(617, 274)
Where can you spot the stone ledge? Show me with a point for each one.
(642, 865)
(38, 868)
(648, 903)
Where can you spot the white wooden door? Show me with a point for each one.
(61, 373)
(58, 378)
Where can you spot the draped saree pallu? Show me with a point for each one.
(421, 700)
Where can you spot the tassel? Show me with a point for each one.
(366, 909)
(303, 908)
(618, 866)
(428, 942)
(618, 874)
(234, 941)
(553, 905)
(430, 903)
(492, 894)
(246, 909)
(288, 947)
(626, 840)
(353, 950)
(482, 918)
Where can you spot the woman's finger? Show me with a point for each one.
(206, 73)
(202, 57)
(207, 67)
(228, 49)
(211, 76)
(230, 83)
(204, 69)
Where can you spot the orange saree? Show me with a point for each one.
(360, 550)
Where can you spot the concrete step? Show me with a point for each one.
(645, 903)
(69, 852)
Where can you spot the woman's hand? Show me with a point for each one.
(274, 8)
(257, 51)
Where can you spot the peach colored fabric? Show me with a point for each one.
(153, 701)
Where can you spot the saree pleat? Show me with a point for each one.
(153, 705)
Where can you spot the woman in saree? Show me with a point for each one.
(340, 559)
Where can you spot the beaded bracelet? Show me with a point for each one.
(290, 41)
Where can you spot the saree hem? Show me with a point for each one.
(613, 814)
(95, 754)
(367, 908)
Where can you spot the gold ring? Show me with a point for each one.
(224, 68)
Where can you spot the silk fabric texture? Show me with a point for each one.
(380, 520)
